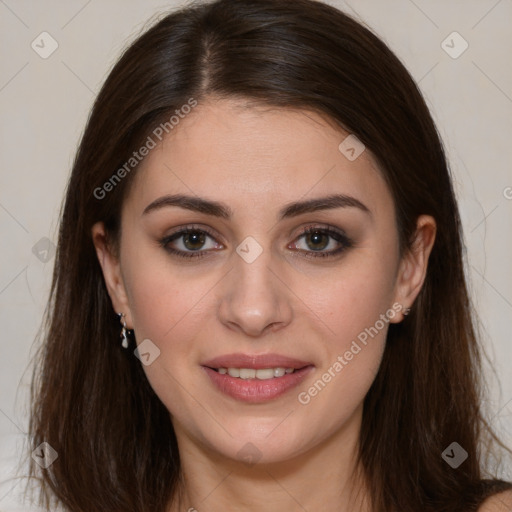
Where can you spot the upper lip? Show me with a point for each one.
(255, 361)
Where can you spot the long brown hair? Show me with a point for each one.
(92, 402)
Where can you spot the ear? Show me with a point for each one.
(413, 265)
(111, 267)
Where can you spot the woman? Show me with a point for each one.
(259, 298)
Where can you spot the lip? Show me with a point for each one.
(256, 390)
(256, 362)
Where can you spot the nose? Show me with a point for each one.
(255, 298)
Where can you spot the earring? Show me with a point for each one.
(406, 311)
(124, 331)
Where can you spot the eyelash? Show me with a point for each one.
(339, 236)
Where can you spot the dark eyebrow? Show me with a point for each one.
(223, 211)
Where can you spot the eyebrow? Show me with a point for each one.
(221, 210)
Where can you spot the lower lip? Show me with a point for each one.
(256, 390)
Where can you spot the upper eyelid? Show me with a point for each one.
(183, 230)
(211, 232)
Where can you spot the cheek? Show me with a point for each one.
(357, 307)
(356, 304)
(333, 400)
(168, 309)
(163, 297)
(353, 297)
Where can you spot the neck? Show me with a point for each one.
(323, 478)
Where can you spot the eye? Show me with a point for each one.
(317, 240)
(190, 242)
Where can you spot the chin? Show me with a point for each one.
(265, 442)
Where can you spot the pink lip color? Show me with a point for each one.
(256, 390)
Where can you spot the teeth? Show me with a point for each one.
(247, 373)
(251, 373)
(267, 373)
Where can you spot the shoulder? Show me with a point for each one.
(501, 502)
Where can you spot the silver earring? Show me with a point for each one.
(406, 311)
(124, 331)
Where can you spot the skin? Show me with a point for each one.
(256, 160)
(501, 502)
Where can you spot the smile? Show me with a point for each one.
(251, 373)
(256, 379)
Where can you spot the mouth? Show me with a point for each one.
(256, 379)
(252, 373)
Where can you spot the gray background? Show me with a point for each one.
(45, 103)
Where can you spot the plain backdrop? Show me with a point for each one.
(44, 102)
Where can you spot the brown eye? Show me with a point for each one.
(193, 240)
(190, 243)
(318, 239)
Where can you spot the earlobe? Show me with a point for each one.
(414, 263)
(111, 268)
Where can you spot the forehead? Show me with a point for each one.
(255, 156)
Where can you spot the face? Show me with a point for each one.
(270, 277)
